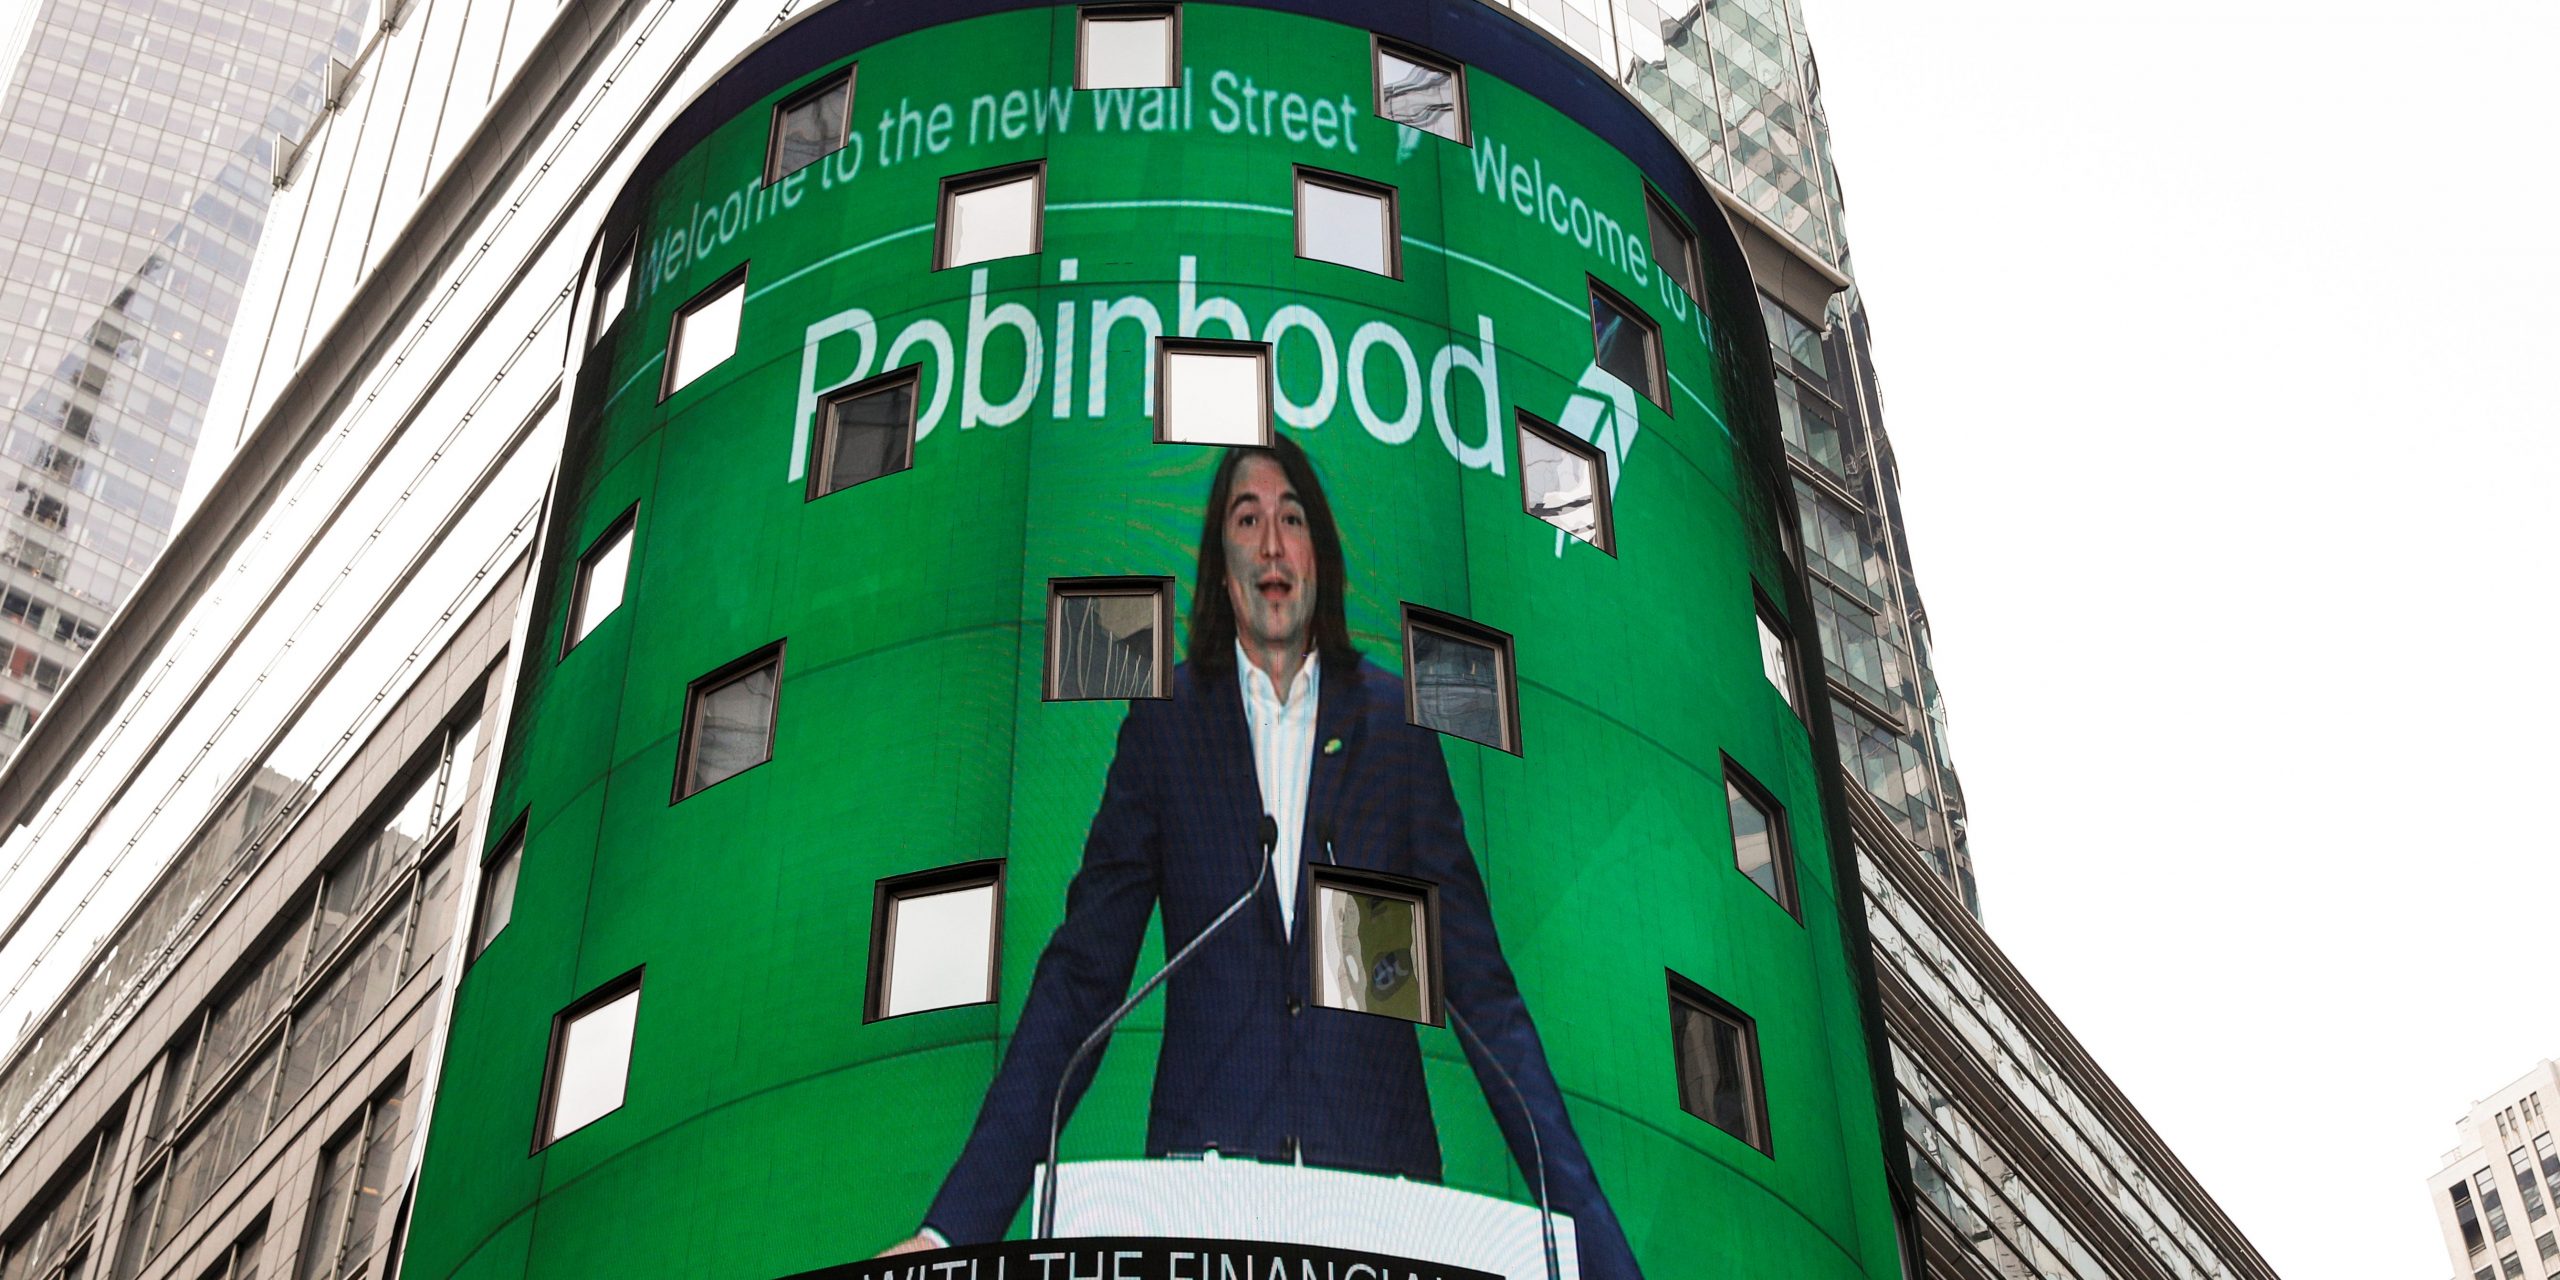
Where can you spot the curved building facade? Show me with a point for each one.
(925, 633)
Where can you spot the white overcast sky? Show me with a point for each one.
(2216, 343)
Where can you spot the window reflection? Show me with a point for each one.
(1372, 950)
(869, 431)
(1108, 638)
(810, 126)
(1126, 48)
(1424, 92)
(729, 724)
(1715, 1054)
(1625, 344)
(1563, 481)
(1459, 681)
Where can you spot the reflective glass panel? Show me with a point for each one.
(706, 333)
(869, 433)
(999, 220)
(1718, 1074)
(732, 728)
(1426, 95)
(1458, 687)
(601, 577)
(1774, 660)
(1757, 848)
(941, 950)
(1674, 249)
(1352, 227)
(593, 1064)
(1106, 644)
(1369, 952)
(1625, 346)
(809, 127)
(1215, 397)
(497, 895)
(1126, 51)
(1560, 483)
(614, 292)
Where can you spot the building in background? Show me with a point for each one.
(2494, 1196)
(137, 149)
(231, 919)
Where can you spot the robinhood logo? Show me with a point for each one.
(1004, 357)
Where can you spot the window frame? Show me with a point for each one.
(1692, 279)
(961, 184)
(1413, 617)
(1604, 527)
(1767, 616)
(605, 993)
(623, 525)
(607, 269)
(1782, 844)
(888, 890)
(1420, 57)
(1656, 361)
(816, 89)
(822, 442)
(510, 845)
(1088, 14)
(1702, 1001)
(702, 686)
(734, 278)
(353, 1139)
(1426, 898)
(1168, 346)
(1157, 586)
(1302, 176)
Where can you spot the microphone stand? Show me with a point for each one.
(1537, 1150)
(1048, 1215)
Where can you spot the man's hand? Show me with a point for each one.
(916, 1243)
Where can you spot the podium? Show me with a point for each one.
(1211, 1198)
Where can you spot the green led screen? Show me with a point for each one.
(1569, 873)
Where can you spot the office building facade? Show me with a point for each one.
(429, 402)
(2493, 1197)
(138, 148)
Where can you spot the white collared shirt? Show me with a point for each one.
(1284, 759)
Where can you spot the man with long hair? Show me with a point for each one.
(1272, 713)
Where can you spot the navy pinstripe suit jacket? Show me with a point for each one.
(1247, 1067)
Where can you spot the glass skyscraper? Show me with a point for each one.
(138, 144)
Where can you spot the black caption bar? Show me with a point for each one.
(1143, 1258)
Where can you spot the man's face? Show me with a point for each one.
(1271, 559)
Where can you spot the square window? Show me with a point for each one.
(1213, 392)
(990, 214)
(1417, 89)
(497, 891)
(728, 721)
(866, 431)
(933, 939)
(603, 572)
(1109, 638)
(614, 291)
(1372, 945)
(1625, 343)
(705, 331)
(1458, 679)
(809, 124)
(1128, 46)
(1674, 249)
(1777, 651)
(590, 1059)
(1760, 849)
(1565, 482)
(1715, 1049)
(1347, 221)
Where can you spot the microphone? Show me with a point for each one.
(1047, 1226)
(1537, 1150)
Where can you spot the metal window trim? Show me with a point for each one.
(961, 184)
(1657, 370)
(1686, 991)
(625, 524)
(604, 993)
(1525, 423)
(1087, 15)
(1420, 57)
(1414, 618)
(814, 90)
(1782, 844)
(1303, 176)
(822, 442)
(734, 278)
(1425, 896)
(1157, 586)
(888, 891)
(1167, 347)
(721, 677)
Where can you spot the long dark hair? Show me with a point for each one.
(1213, 616)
